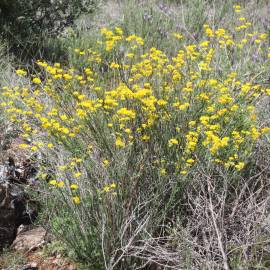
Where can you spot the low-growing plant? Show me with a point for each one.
(128, 130)
(12, 261)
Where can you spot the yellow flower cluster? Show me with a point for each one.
(112, 38)
(176, 108)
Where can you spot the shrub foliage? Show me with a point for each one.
(26, 22)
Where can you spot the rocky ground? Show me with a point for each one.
(17, 174)
(22, 243)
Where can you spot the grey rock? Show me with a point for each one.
(10, 205)
(30, 266)
(29, 240)
(14, 202)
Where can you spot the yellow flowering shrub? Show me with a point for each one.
(141, 123)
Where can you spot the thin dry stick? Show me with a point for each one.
(224, 256)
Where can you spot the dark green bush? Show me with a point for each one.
(25, 23)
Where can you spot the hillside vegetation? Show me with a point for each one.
(149, 125)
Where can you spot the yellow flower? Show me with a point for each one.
(265, 130)
(63, 117)
(126, 112)
(240, 166)
(74, 186)
(234, 107)
(204, 43)
(106, 162)
(53, 182)
(162, 102)
(106, 188)
(163, 171)
(190, 161)
(62, 167)
(209, 32)
(113, 185)
(128, 130)
(76, 200)
(145, 138)
(36, 80)
(255, 134)
(81, 113)
(130, 55)
(173, 142)
(119, 142)
(118, 31)
(177, 35)
(50, 145)
(60, 184)
(34, 148)
(21, 72)
(78, 174)
(23, 146)
(114, 65)
(67, 76)
(220, 32)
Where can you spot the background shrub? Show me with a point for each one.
(25, 24)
